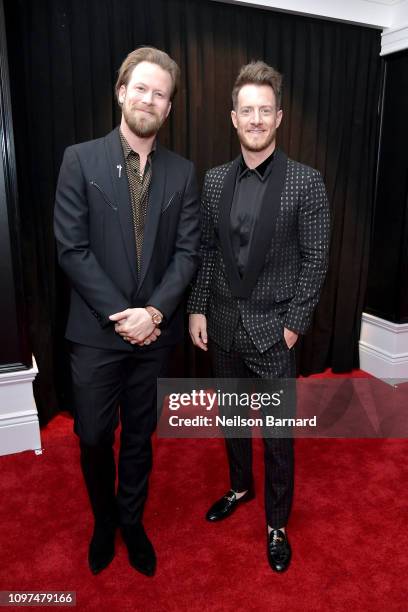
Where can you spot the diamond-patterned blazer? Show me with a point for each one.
(287, 262)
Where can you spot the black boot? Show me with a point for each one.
(140, 550)
(102, 547)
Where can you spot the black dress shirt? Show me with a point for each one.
(250, 188)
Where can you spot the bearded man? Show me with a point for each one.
(127, 232)
(264, 251)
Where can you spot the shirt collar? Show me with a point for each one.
(127, 149)
(262, 170)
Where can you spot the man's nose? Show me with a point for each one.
(256, 116)
(147, 97)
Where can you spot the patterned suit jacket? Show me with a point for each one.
(287, 262)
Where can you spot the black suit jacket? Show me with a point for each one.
(96, 243)
(287, 262)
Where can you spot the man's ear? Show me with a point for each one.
(122, 94)
(168, 110)
(279, 116)
(234, 119)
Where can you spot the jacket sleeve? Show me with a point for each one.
(200, 289)
(183, 264)
(313, 236)
(71, 226)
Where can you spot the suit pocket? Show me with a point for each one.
(174, 199)
(285, 293)
(103, 194)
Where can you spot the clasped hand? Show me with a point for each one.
(135, 325)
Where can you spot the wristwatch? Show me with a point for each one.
(156, 315)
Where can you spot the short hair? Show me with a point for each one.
(258, 73)
(147, 54)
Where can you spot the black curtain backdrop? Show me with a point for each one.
(64, 55)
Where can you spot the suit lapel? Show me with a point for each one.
(156, 193)
(264, 229)
(121, 189)
(224, 226)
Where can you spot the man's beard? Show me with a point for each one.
(143, 127)
(255, 146)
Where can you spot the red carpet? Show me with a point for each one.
(348, 530)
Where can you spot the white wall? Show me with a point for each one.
(395, 38)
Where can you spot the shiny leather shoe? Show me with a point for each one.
(102, 547)
(279, 550)
(227, 504)
(140, 550)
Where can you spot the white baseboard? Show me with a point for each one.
(383, 348)
(19, 425)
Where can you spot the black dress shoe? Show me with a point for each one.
(227, 504)
(140, 550)
(102, 547)
(279, 551)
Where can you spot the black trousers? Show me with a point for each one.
(245, 361)
(103, 381)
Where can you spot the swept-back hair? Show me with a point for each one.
(147, 54)
(258, 73)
